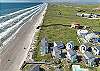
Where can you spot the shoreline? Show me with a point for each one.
(15, 51)
(37, 30)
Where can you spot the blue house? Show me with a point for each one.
(71, 55)
(44, 46)
(89, 59)
(96, 50)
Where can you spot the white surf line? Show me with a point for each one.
(29, 10)
(20, 11)
(13, 35)
(17, 12)
(9, 29)
(10, 22)
(41, 8)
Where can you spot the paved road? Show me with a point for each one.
(14, 53)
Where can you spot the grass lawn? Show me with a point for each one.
(60, 14)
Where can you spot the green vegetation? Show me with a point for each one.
(37, 56)
(27, 67)
(60, 14)
(54, 30)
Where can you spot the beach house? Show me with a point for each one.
(82, 32)
(70, 45)
(95, 40)
(89, 59)
(90, 36)
(56, 53)
(83, 47)
(96, 50)
(71, 55)
(44, 46)
(59, 45)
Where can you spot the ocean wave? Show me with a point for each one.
(14, 20)
(14, 14)
(11, 26)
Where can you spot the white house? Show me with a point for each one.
(83, 47)
(56, 52)
(86, 15)
(70, 45)
(94, 16)
(89, 58)
(59, 45)
(83, 14)
(82, 32)
(96, 50)
(71, 55)
(79, 14)
(78, 68)
(90, 36)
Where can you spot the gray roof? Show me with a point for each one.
(35, 68)
(60, 44)
(72, 52)
(44, 42)
(98, 47)
(89, 55)
(57, 51)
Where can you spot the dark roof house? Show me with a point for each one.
(71, 55)
(35, 68)
(96, 50)
(44, 46)
(90, 58)
(59, 45)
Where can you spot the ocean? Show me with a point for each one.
(6, 8)
(14, 15)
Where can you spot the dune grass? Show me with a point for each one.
(63, 15)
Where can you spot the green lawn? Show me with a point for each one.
(60, 14)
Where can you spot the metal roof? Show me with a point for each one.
(44, 42)
(57, 51)
(89, 55)
(71, 52)
(98, 47)
(59, 44)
